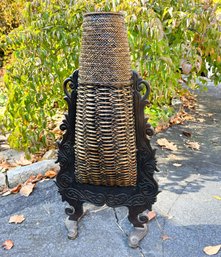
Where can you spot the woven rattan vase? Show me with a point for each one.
(105, 149)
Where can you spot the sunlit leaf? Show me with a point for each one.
(177, 164)
(165, 237)
(8, 244)
(26, 190)
(50, 174)
(151, 215)
(212, 250)
(17, 219)
(16, 189)
(163, 142)
(193, 145)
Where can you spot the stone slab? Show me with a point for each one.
(21, 174)
(11, 155)
(2, 181)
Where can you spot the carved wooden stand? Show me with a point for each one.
(138, 199)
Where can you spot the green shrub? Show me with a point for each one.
(10, 13)
(46, 49)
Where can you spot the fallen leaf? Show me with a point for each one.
(16, 189)
(188, 100)
(217, 197)
(186, 134)
(163, 142)
(44, 179)
(193, 145)
(37, 178)
(200, 119)
(23, 161)
(57, 131)
(26, 190)
(34, 179)
(50, 174)
(6, 165)
(2, 170)
(17, 219)
(172, 156)
(30, 179)
(188, 117)
(211, 250)
(8, 244)
(151, 215)
(165, 237)
(176, 119)
(177, 164)
(161, 127)
(6, 193)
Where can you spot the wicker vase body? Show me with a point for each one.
(105, 149)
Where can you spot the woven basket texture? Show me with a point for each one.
(105, 149)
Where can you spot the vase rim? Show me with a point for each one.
(103, 13)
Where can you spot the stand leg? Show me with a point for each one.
(138, 217)
(75, 212)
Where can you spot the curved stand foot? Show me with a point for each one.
(75, 213)
(72, 227)
(138, 215)
(137, 235)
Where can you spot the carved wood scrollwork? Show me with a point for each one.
(146, 190)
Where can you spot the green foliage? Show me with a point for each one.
(10, 13)
(46, 50)
(159, 114)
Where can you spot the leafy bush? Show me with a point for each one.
(10, 13)
(46, 49)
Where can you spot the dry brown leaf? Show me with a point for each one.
(177, 164)
(193, 145)
(6, 165)
(26, 190)
(163, 142)
(165, 237)
(16, 189)
(212, 249)
(50, 174)
(30, 179)
(8, 244)
(200, 119)
(180, 117)
(161, 127)
(34, 179)
(17, 219)
(57, 131)
(8, 192)
(188, 100)
(173, 156)
(44, 179)
(188, 117)
(37, 178)
(151, 215)
(176, 119)
(23, 161)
